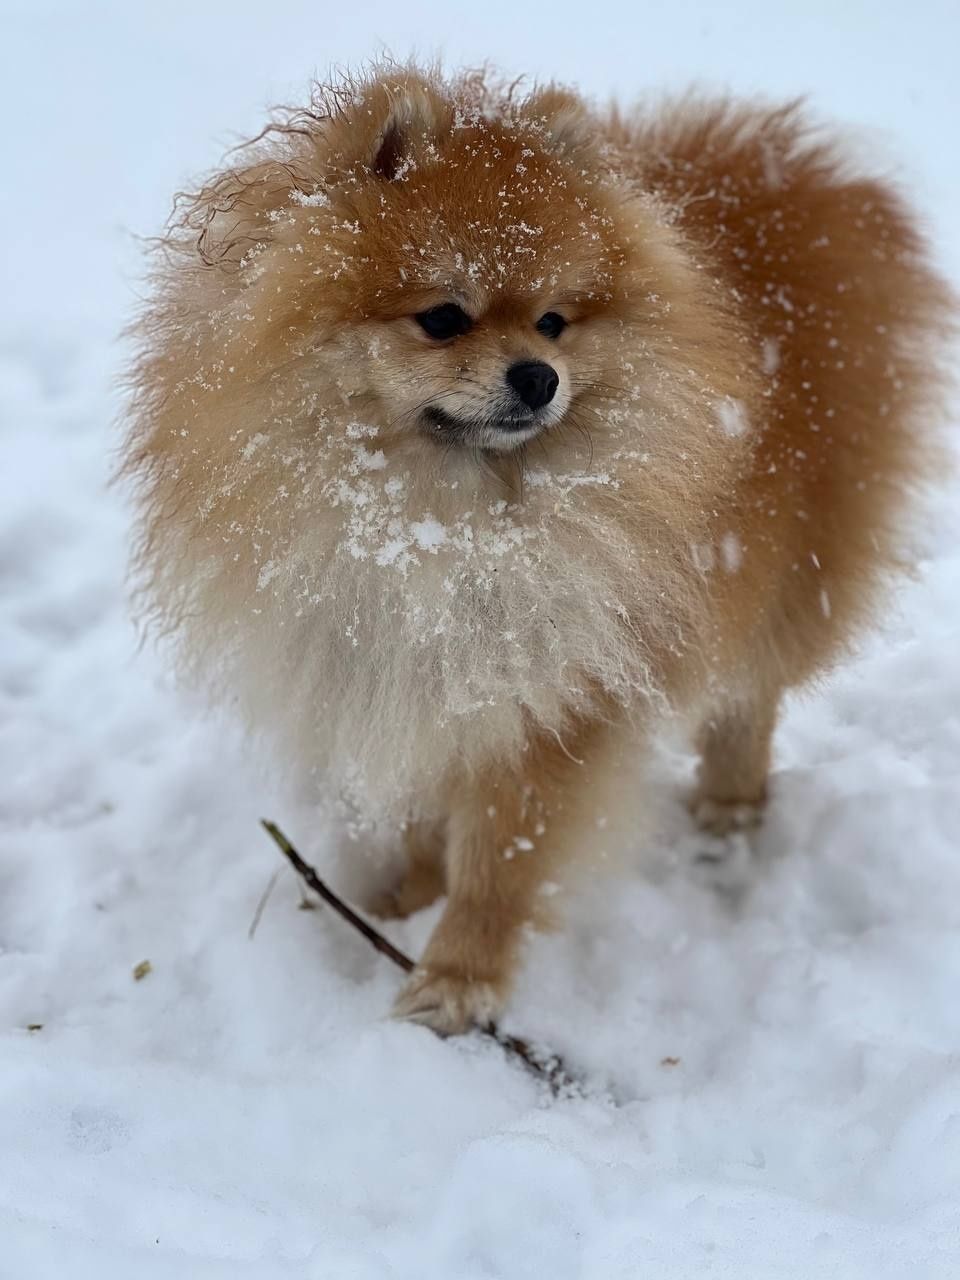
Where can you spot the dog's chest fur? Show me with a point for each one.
(399, 619)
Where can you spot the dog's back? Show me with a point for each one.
(828, 269)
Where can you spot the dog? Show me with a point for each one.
(475, 432)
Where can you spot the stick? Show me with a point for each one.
(304, 869)
(548, 1067)
(261, 905)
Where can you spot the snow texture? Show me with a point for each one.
(772, 1073)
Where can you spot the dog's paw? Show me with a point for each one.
(418, 888)
(724, 863)
(723, 856)
(726, 817)
(386, 904)
(447, 1003)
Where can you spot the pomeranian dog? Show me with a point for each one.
(475, 433)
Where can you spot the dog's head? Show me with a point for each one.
(491, 259)
(460, 265)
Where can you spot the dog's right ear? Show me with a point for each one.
(409, 115)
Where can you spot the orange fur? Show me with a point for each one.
(481, 635)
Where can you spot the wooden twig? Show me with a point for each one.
(373, 936)
(547, 1067)
(261, 905)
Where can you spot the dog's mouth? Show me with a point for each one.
(503, 433)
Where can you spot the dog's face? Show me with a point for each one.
(490, 275)
(470, 275)
(490, 373)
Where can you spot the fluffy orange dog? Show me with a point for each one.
(476, 433)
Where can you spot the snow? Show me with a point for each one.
(429, 533)
(732, 416)
(772, 1073)
(731, 552)
(771, 355)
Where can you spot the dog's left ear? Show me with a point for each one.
(410, 116)
(564, 119)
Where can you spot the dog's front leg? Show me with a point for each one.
(507, 834)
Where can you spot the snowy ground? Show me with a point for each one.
(773, 1086)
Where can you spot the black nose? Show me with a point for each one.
(534, 382)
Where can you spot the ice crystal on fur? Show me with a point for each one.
(733, 417)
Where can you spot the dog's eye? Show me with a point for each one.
(446, 321)
(551, 325)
